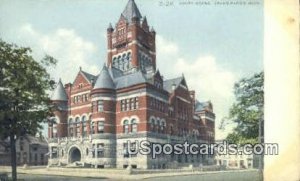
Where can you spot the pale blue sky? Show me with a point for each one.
(218, 43)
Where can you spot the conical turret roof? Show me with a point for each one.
(59, 93)
(104, 80)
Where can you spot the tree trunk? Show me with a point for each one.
(13, 157)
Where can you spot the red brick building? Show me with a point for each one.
(129, 100)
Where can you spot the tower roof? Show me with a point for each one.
(131, 10)
(59, 93)
(104, 80)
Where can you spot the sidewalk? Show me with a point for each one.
(119, 174)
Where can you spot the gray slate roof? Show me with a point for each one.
(200, 106)
(104, 80)
(130, 79)
(168, 83)
(115, 73)
(59, 93)
(36, 140)
(89, 76)
(131, 10)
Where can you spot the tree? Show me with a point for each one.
(247, 111)
(24, 102)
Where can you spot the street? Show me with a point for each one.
(222, 176)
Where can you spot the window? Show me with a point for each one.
(100, 150)
(94, 106)
(54, 130)
(162, 126)
(84, 98)
(70, 127)
(133, 148)
(136, 103)
(152, 124)
(125, 150)
(101, 126)
(126, 127)
(100, 106)
(129, 104)
(77, 126)
(84, 128)
(35, 148)
(133, 126)
(83, 119)
(132, 102)
(122, 105)
(92, 127)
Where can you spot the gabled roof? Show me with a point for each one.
(89, 76)
(59, 93)
(170, 82)
(131, 10)
(36, 140)
(130, 79)
(104, 80)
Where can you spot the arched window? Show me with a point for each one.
(77, 125)
(119, 62)
(92, 127)
(83, 119)
(157, 126)
(152, 124)
(54, 128)
(162, 126)
(114, 62)
(133, 126)
(128, 57)
(126, 127)
(101, 126)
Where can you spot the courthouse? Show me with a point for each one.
(95, 115)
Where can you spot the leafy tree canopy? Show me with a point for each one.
(247, 110)
(24, 82)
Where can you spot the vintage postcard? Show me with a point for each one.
(154, 90)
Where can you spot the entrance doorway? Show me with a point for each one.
(75, 155)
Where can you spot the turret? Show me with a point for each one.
(58, 123)
(103, 102)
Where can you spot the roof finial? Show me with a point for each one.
(110, 28)
(131, 11)
(80, 68)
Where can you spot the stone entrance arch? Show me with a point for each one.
(74, 154)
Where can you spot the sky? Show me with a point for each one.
(214, 46)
